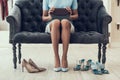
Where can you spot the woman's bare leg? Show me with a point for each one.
(55, 37)
(66, 26)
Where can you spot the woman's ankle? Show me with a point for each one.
(57, 62)
(64, 62)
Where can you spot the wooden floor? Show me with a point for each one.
(42, 55)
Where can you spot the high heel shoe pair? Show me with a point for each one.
(31, 67)
(61, 69)
(81, 66)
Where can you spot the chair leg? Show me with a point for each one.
(14, 56)
(19, 52)
(99, 52)
(104, 53)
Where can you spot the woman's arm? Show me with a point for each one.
(46, 14)
(74, 15)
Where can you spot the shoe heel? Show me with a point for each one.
(88, 64)
(77, 66)
(23, 65)
(22, 68)
(82, 64)
(28, 67)
(81, 61)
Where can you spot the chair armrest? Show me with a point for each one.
(103, 19)
(14, 19)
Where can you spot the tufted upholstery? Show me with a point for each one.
(26, 25)
(31, 10)
(87, 9)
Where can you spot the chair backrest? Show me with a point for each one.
(87, 10)
(31, 11)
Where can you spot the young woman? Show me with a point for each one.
(53, 27)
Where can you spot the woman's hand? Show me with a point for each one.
(73, 13)
(46, 14)
(69, 10)
(51, 10)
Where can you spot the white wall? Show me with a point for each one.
(3, 24)
(107, 4)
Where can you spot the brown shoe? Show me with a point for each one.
(34, 65)
(28, 67)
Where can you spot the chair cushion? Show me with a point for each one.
(87, 37)
(32, 37)
(77, 37)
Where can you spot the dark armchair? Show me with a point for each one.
(26, 26)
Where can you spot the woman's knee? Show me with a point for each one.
(65, 23)
(55, 24)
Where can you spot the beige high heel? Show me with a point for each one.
(34, 65)
(28, 67)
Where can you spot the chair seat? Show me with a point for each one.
(77, 37)
(87, 37)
